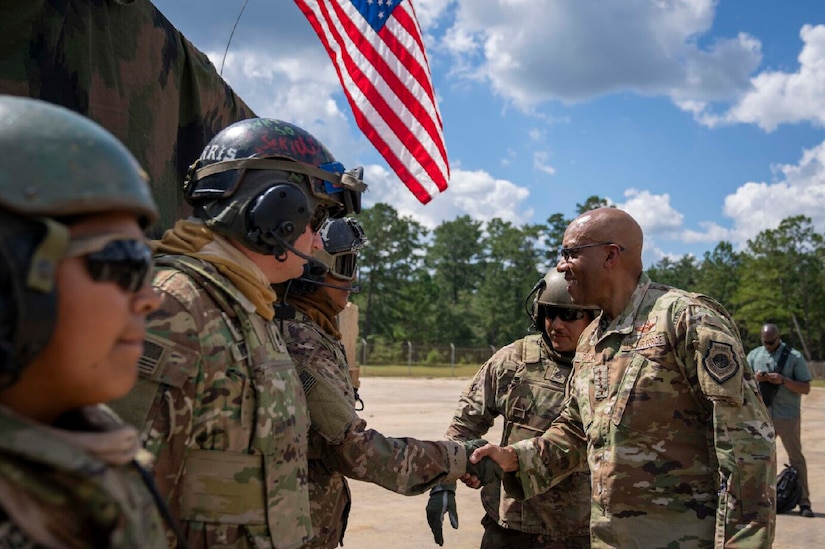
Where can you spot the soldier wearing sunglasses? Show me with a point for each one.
(74, 295)
(340, 444)
(662, 406)
(524, 383)
(219, 401)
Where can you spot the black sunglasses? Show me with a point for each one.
(770, 343)
(125, 261)
(564, 313)
(567, 253)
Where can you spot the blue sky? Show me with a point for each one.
(703, 119)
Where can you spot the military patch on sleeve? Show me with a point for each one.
(720, 361)
(148, 363)
(308, 381)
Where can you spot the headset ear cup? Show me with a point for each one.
(27, 315)
(277, 215)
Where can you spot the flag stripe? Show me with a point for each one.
(410, 24)
(373, 89)
(376, 129)
(385, 77)
(394, 88)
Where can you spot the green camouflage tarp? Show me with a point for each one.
(123, 64)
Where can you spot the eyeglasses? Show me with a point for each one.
(125, 261)
(564, 313)
(567, 253)
(770, 343)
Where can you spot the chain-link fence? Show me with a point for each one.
(408, 353)
(414, 354)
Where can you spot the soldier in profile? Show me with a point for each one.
(75, 291)
(219, 401)
(340, 444)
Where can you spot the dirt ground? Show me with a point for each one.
(422, 408)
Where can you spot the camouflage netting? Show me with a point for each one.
(125, 66)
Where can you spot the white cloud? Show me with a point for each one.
(540, 162)
(534, 51)
(474, 193)
(755, 207)
(779, 97)
(300, 88)
(653, 212)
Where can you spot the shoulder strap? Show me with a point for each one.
(783, 358)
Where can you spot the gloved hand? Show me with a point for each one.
(487, 471)
(441, 502)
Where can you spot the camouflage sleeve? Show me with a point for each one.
(478, 406)
(173, 335)
(742, 438)
(547, 460)
(403, 465)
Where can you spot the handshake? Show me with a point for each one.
(442, 497)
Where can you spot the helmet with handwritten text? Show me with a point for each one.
(261, 181)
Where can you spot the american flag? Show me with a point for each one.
(378, 53)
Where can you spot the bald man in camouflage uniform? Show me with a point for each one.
(340, 444)
(663, 407)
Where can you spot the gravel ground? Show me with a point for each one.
(422, 408)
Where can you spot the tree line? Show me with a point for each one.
(465, 282)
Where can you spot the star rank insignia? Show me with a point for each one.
(720, 361)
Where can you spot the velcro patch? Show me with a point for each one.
(148, 363)
(720, 361)
(308, 381)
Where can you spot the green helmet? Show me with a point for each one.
(57, 163)
(552, 292)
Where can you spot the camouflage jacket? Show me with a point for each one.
(226, 416)
(342, 446)
(524, 383)
(76, 485)
(666, 410)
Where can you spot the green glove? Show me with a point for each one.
(441, 502)
(487, 471)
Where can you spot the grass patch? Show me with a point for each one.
(399, 370)
(818, 383)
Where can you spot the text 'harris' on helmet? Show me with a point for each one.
(263, 180)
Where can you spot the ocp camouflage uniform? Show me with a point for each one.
(74, 484)
(524, 382)
(665, 409)
(340, 445)
(226, 414)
